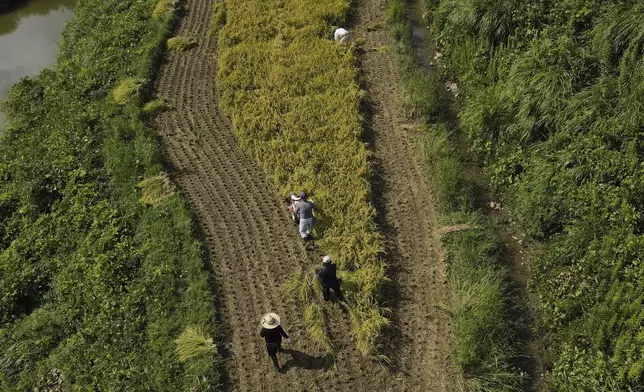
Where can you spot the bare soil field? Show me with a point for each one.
(253, 248)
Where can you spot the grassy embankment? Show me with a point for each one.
(553, 105)
(480, 301)
(291, 93)
(99, 270)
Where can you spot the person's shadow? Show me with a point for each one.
(306, 361)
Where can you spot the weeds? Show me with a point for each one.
(181, 44)
(484, 346)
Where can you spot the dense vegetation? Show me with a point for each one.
(291, 93)
(552, 104)
(99, 270)
(485, 344)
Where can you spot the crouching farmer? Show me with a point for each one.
(272, 332)
(329, 279)
(304, 209)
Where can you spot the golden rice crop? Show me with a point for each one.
(292, 95)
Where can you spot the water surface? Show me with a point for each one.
(29, 35)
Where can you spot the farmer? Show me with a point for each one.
(342, 35)
(272, 333)
(304, 209)
(329, 279)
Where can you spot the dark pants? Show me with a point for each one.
(336, 289)
(272, 348)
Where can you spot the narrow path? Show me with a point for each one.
(407, 215)
(252, 245)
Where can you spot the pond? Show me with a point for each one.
(29, 34)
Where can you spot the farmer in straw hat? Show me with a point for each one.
(272, 333)
(329, 279)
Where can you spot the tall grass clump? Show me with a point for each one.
(292, 95)
(554, 111)
(479, 301)
(94, 284)
(485, 337)
(424, 94)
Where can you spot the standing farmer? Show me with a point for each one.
(304, 209)
(272, 332)
(329, 279)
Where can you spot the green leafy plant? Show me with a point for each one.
(94, 285)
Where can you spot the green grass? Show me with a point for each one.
(479, 302)
(95, 285)
(551, 105)
(485, 344)
(292, 95)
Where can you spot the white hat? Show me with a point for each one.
(270, 321)
(326, 259)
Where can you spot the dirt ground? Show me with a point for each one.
(253, 247)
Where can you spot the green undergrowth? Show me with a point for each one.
(480, 300)
(292, 95)
(552, 97)
(99, 269)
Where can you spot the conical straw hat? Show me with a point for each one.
(270, 321)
